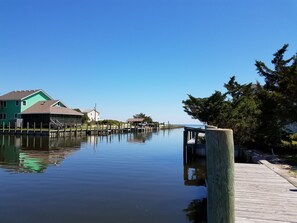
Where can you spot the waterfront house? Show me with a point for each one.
(136, 121)
(34, 106)
(92, 114)
(14, 103)
(51, 111)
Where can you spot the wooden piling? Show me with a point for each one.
(185, 146)
(220, 175)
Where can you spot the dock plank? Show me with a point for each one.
(263, 196)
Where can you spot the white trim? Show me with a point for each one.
(37, 91)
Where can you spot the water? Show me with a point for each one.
(116, 178)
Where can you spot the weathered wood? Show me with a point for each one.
(220, 175)
(185, 146)
(263, 196)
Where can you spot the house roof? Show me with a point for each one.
(135, 120)
(19, 95)
(48, 107)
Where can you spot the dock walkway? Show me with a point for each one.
(263, 196)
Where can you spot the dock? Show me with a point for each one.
(262, 193)
(73, 130)
(263, 196)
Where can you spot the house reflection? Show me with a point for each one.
(34, 154)
(139, 137)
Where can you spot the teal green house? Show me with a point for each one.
(35, 106)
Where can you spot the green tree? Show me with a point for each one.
(278, 96)
(147, 119)
(236, 109)
(257, 114)
(85, 118)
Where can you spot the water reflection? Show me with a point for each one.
(34, 154)
(195, 172)
(140, 137)
(195, 175)
(140, 177)
(131, 137)
(196, 211)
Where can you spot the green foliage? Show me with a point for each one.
(293, 136)
(85, 118)
(257, 114)
(147, 119)
(236, 109)
(278, 96)
(109, 122)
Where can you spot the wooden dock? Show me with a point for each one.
(263, 192)
(263, 196)
(74, 131)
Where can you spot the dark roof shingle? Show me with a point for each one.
(17, 95)
(47, 107)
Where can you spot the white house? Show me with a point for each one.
(93, 114)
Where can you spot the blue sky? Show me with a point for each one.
(132, 56)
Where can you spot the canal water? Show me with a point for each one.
(116, 178)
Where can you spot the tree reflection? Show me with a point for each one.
(196, 211)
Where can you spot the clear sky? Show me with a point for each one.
(132, 56)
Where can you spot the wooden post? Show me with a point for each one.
(49, 129)
(34, 125)
(8, 126)
(3, 126)
(15, 127)
(27, 127)
(220, 175)
(185, 146)
(40, 128)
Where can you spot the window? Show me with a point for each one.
(24, 103)
(4, 116)
(1, 116)
(17, 103)
(4, 104)
(15, 115)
